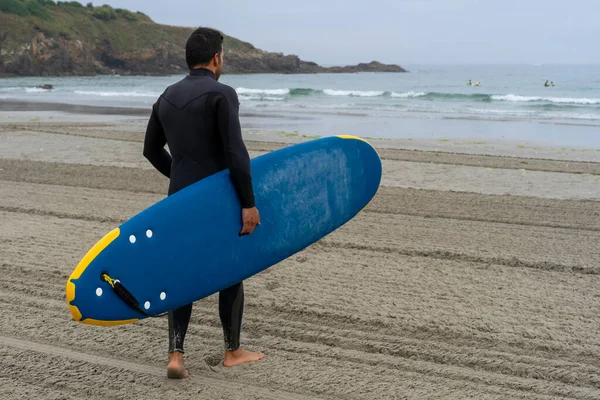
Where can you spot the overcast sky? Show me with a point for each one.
(399, 31)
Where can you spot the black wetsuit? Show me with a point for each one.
(198, 118)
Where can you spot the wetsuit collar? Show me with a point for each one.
(202, 72)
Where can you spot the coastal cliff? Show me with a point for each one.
(44, 38)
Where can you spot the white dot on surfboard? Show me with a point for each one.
(149, 233)
(163, 296)
(99, 292)
(147, 305)
(132, 239)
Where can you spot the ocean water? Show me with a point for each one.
(429, 101)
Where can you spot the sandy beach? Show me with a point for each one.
(470, 275)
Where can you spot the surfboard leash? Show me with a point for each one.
(126, 295)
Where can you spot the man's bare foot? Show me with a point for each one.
(175, 368)
(240, 356)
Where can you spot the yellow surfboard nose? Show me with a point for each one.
(361, 139)
(351, 137)
(83, 264)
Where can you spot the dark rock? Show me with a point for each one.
(373, 66)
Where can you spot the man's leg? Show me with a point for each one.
(179, 320)
(231, 308)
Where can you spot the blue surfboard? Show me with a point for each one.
(186, 246)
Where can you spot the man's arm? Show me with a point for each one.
(154, 144)
(238, 159)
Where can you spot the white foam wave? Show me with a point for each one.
(11, 89)
(271, 98)
(272, 92)
(499, 112)
(408, 94)
(116, 94)
(35, 90)
(357, 93)
(558, 100)
(260, 98)
(584, 116)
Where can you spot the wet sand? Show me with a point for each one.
(469, 276)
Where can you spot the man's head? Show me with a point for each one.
(204, 49)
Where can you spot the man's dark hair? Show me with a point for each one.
(202, 45)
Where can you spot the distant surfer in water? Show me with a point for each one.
(198, 119)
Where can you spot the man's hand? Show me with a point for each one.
(250, 219)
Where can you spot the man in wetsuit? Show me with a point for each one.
(198, 119)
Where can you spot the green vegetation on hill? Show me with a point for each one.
(25, 8)
(73, 20)
(43, 9)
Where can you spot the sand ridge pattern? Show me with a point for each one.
(427, 294)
